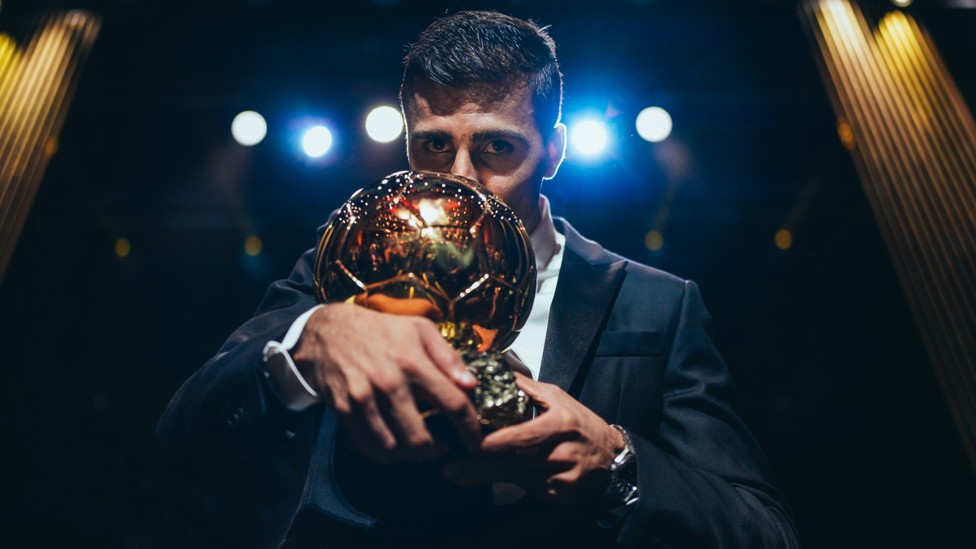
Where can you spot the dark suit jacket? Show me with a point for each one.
(630, 342)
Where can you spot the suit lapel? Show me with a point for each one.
(588, 283)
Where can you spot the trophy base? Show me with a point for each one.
(497, 398)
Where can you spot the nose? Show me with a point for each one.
(464, 165)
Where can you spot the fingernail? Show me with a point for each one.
(465, 377)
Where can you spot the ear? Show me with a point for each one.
(555, 150)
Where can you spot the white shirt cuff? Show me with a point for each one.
(292, 389)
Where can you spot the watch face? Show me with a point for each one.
(619, 488)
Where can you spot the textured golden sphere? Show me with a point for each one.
(434, 245)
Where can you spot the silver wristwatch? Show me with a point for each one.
(622, 492)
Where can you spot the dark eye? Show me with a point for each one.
(436, 145)
(498, 147)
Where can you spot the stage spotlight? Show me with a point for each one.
(384, 124)
(249, 128)
(589, 137)
(902, 3)
(654, 124)
(317, 141)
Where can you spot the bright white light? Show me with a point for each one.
(384, 124)
(902, 3)
(317, 141)
(589, 137)
(249, 128)
(654, 124)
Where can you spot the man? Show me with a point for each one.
(636, 442)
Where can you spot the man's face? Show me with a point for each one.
(485, 133)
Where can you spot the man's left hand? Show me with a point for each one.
(563, 455)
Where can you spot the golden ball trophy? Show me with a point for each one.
(444, 247)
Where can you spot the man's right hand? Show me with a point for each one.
(371, 368)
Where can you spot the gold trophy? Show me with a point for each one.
(444, 247)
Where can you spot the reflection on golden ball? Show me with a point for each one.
(434, 245)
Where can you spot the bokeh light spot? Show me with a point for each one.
(317, 141)
(249, 128)
(783, 239)
(51, 147)
(902, 3)
(123, 247)
(384, 124)
(846, 134)
(589, 137)
(654, 124)
(253, 245)
(654, 240)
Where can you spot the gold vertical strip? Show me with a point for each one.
(855, 98)
(946, 139)
(52, 56)
(956, 197)
(26, 111)
(948, 193)
(958, 116)
(39, 67)
(916, 153)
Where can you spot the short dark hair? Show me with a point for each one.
(487, 47)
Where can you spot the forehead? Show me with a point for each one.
(480, 104)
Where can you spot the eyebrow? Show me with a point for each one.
(504, 135)
(430, 134)
(490, 135)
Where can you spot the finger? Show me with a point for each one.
(537, 391)
(414, 441)
(368, 430)
(445, 357)
(452, 402)
(522, 436)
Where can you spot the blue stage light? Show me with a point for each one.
(589, 137)
(317, 141)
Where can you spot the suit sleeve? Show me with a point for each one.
(226, 413)
(703, 480)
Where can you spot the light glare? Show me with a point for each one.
(654, 124)
(384, 124)
(589, 137)
(902, 3)
(249, 128)
(317, 141)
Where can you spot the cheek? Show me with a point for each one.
(518, 195)
(503, 187)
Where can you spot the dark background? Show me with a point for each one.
(833, 376)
